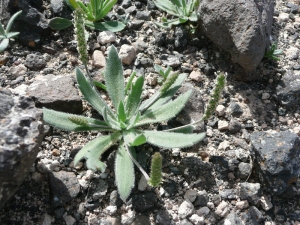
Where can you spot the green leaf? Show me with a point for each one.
(11, 21)
(109, 120)
(91, 94)
(4, 44)
(128, 85)
(170, 23)
(72, 4)
(124, 172)
(193, 17)
(12, 34)
(167, 6)
(170, 93)
(172, 140)
(121, 112)
(113, 26)
(114, 78)
(107, 6)
(100, 85)
(133, 137)
(84, 8)
(2, 30)
(166, 111)
(93, 150)
(62, 121)
(183, 129)
(156, 168)
(134, 96)
(59, 23)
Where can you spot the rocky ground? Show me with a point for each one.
(244, 172)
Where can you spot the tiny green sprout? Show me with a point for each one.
(184, 10)
(6, 34)
(273, 52)
(94, 11)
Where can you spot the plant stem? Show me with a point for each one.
(137, 164)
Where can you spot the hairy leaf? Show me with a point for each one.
(4, 44)
(166, 111)
(121, 112)
(91, 94)
(2, 31)
(106, 7)
(134, 96)
(172, 140)
(59, 23)
(114, 78)
(113, 26)
(11, 21)
(62, 121)
(170, 92)
(167, 6)
(133, 138)
(124, 172)
(12, 34)
(93, 150)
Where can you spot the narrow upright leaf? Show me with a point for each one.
(66, 121)
(124, 172)
(157, 99)
(166, 111)
(121, 112)
(134, 96)
(114, 78)
(91, 94)
(11, 21)
(2, 31)
(93, 150)
(172, 140)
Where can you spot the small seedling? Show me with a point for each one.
(184, 10)
(6, 34)
(273, 52)
(94, 11)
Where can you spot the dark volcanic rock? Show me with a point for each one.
(288, 90)
(197, 172)
(252, 217)
(21, 135)
(64, 187)
(32, 23)
(240, 27)
(250, 192)
(276, 159)
(143, 202)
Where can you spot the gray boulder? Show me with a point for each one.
(21, 132)
(54, 92)
(240, 27)
(276, 159)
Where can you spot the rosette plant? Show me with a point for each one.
(7, 34)
(94, 11)
(183, 10)
(127, 121)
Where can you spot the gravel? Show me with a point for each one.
(229, 178)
